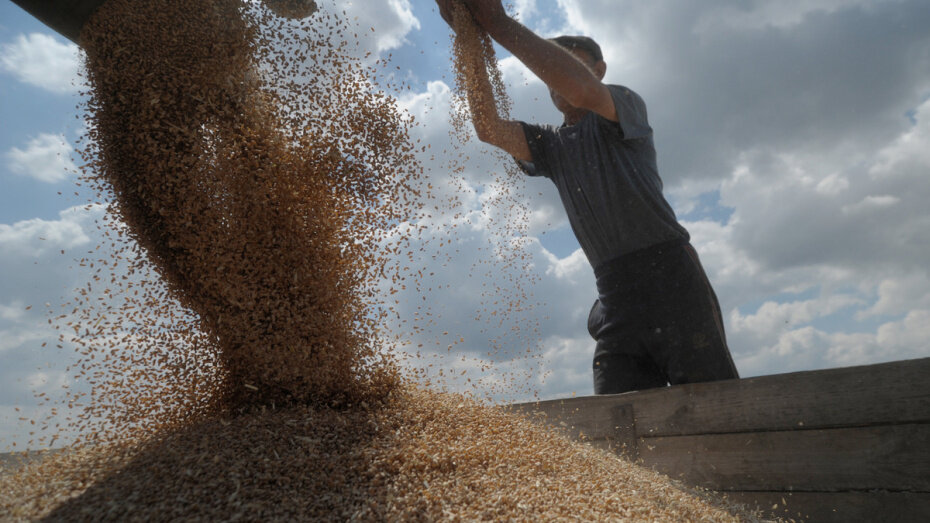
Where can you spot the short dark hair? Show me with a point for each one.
(580, 42)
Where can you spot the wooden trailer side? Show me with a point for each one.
(848, 444)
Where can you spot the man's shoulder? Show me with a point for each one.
(535, 130)
(624, 91)
(632, 114)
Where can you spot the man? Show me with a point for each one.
(656, 320)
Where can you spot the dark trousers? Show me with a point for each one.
(657, 322)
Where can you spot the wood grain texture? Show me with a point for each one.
(892, 457)
(879, 394)
(896, 392)
(839, 507)
(589, 417)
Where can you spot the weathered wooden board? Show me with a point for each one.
(891, 457)
(897, 392)
(840, 507)
(850, 444)
(589, 417)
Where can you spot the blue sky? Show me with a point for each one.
(792, 140)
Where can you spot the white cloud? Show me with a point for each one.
(13, 311)
(46, 381)
(37, 237)
(43, 61)
(905, 338)
(871, 203)
(832, 185)
(773, 319)
(568, 367)
(568, 268)
(719, 254)
(761, 14)
(525, 9)
(403, 20)
(577, 15)
(379, 26)
(900, 293)
(909, 151)
(46, 158)
(809, 348)
(813, 348)
(39, 261)
(826, 207)
(18, 337)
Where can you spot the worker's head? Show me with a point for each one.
(590, 51)
(586, 50)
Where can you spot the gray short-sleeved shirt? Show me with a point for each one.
(607, 178)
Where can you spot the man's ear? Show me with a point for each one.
(600, 69)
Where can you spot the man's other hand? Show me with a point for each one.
(486, 12)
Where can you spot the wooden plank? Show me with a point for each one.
(839, 507)
(587, 417)
(896, 392)
(892, 457)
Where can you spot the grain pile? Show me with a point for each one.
(419, 456)
(237, 370)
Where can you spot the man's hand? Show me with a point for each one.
(489, 126)
(567, 75)
(486, 12)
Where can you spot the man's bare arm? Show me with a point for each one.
(489, 126)
(554, 65)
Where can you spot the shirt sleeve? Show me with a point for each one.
(631, 113)
(539, 139)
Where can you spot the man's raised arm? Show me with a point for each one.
(489, 126)
(558, 68)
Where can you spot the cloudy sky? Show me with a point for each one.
(792, 139)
